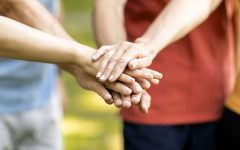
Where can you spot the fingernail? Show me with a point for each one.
(133, 65)
(109, 101)
(159, 75)
(127, 104)
(94, 57)
(155, 81)
(138, 88)
(149, 75)
(102, 77)
(134, 100)
(145, 109)
(108, 97)
(111, 77)
(98, 74)
(118, 102)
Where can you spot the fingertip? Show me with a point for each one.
(109, 101)
(98, 75)
(102, 78)
(118, 103)
(158, 75)
(146, 85)
(156, 81)
(94, 58)
(111, 78)
(107, 97)
(131, 80)
(131, 65)
(138, 88)
(127, 91)
(126, 104)
(150, 76)
(161, 75)
(135, 100)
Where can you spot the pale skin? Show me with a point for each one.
(165, 30)
(43, 47)
(119, 55)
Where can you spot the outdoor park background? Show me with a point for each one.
(89, 124)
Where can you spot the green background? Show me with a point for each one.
(89, 124)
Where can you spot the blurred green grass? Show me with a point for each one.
(88, 123)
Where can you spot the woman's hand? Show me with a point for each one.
(115, 59)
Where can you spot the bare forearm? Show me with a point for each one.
(32, 13)
(108, 22)
(176, 20)
(19, 41)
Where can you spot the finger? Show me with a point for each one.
(119, 51)
(156, 74)
(107, 71)
(135, 87)
(101, 51)
(109, 102)
(118, 87)
(126, 79)
(122, 63)
(139, 74)
(126, 101)
(117, 100)
(145, 102)
(154, 81)
(103, 64)
(145, 84)
(103, 92)
(140, 63)
(135, 98)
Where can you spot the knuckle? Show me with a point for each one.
(106, 56)
(121, 60)
(112, 59)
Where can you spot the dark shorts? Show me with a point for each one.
(175, 137)
(229, 131)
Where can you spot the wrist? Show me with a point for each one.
(82, 57)
(149, 45)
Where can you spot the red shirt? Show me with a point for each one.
(196, 68)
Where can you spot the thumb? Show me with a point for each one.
(145, 102)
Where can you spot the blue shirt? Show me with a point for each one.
(26, 85)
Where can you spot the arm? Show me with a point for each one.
(34, 45)
(167, 28)
(163, 31)
(37, 16)
(32, 13)
(108, 15)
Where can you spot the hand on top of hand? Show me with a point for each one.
(126, 62)
(115, 58)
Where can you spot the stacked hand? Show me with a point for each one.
(116, 83)
(132, 59)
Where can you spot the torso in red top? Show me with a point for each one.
(194, 85)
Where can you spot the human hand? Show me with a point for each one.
(115, 59)
(143, 100)
(89, 82)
